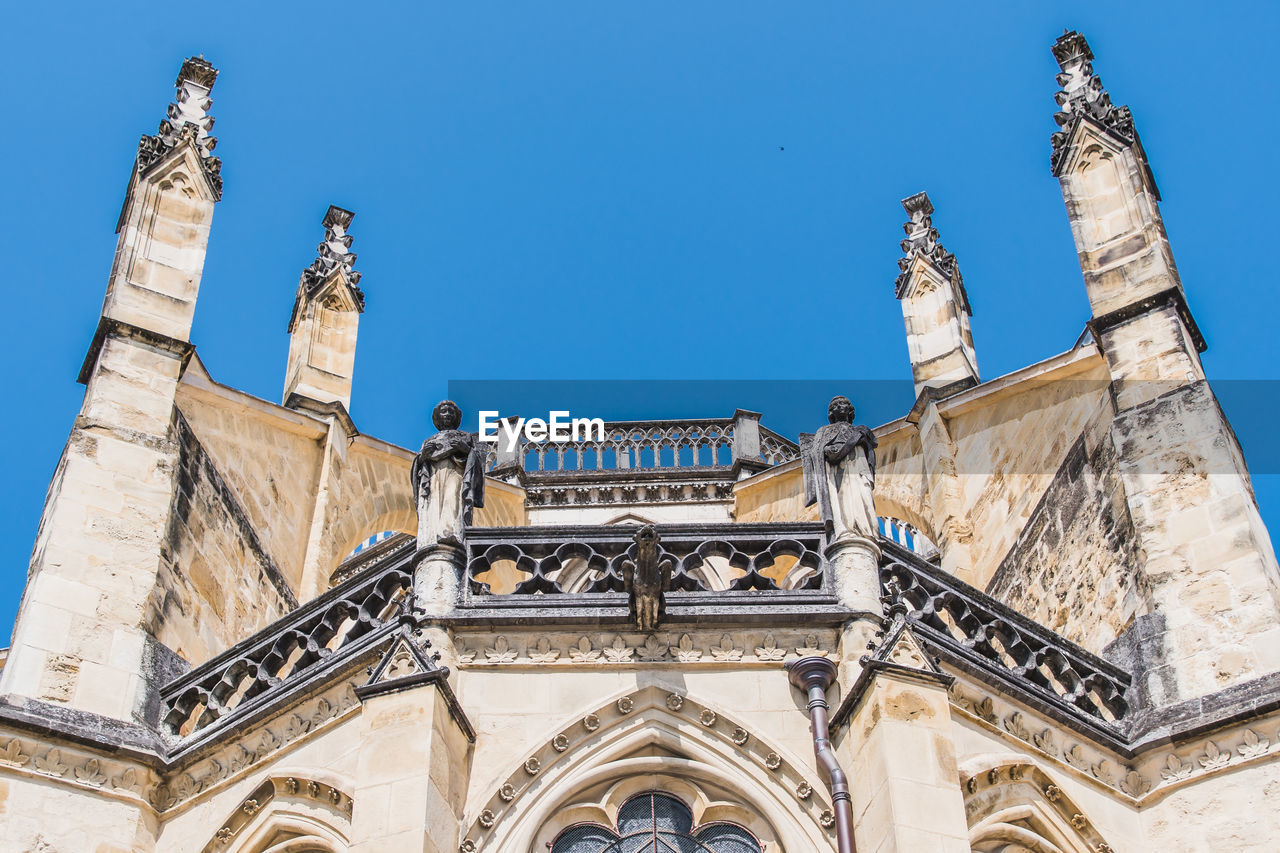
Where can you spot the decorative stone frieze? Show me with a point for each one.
(1151, 773)
(71, 766)
(709, 648)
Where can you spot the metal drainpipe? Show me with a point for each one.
(814, 675)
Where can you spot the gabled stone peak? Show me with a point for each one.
(922, 242)
(1082, 96)
(187, 119)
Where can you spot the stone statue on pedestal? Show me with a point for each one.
(448, 479)
(839, 474)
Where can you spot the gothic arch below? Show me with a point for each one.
(653, 739)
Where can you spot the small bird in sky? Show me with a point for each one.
(780, 148)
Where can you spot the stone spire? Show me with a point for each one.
(325, 320)
(187, 118)
(922, 241)
(1083, 97)
(935, 306)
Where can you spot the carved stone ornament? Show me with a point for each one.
(773, 761)
(1083, 97)
(187, 119)
(675, 701)
(447, 477)
(487, 818)
(507, 792)
(707, 717)
(646, 578)
(626, 705)
(560, 743)
(839, 464)
(334, 254)
(922, 242)
(591, 722)
(532, 766)
(740, 736)
(803, 790)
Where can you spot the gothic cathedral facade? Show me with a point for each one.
(251, 627)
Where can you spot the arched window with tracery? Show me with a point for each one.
(653, 822)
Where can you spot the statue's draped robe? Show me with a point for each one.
(448, 481)
(839, 475)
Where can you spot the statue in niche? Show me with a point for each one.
(840, 474)
(448, 479)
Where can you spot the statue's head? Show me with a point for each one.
(646, 534)
(446, 415)
(840, 410)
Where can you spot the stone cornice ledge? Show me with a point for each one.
(120, 329)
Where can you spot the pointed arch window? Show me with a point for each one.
(655, 823)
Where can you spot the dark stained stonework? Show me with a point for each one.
(1073, 566)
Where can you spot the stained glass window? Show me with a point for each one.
(655, 823)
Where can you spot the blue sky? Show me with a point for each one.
(600, 191)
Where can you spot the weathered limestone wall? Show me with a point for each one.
(159, 259)
(322, 353)
(503, 506)
(1224, 811)
(1009, 446)
(412, 774)
(216, 585)
(1210, 567)
(368, 492)
(311, 491)
(773, 495)
(78, 639)
(899, 753)
(38, 814)
(1075, 567)
(268, 455)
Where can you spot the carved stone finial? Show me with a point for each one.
(646, 579)
(197, 70)
(187, 118)
(334, 253)
(1083, 97)
(922, 240)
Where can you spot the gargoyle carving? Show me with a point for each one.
(646, 578)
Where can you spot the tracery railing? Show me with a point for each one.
(250, 672)
(668, 445)
(555, 561)
(775, 450)
(983, 633)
